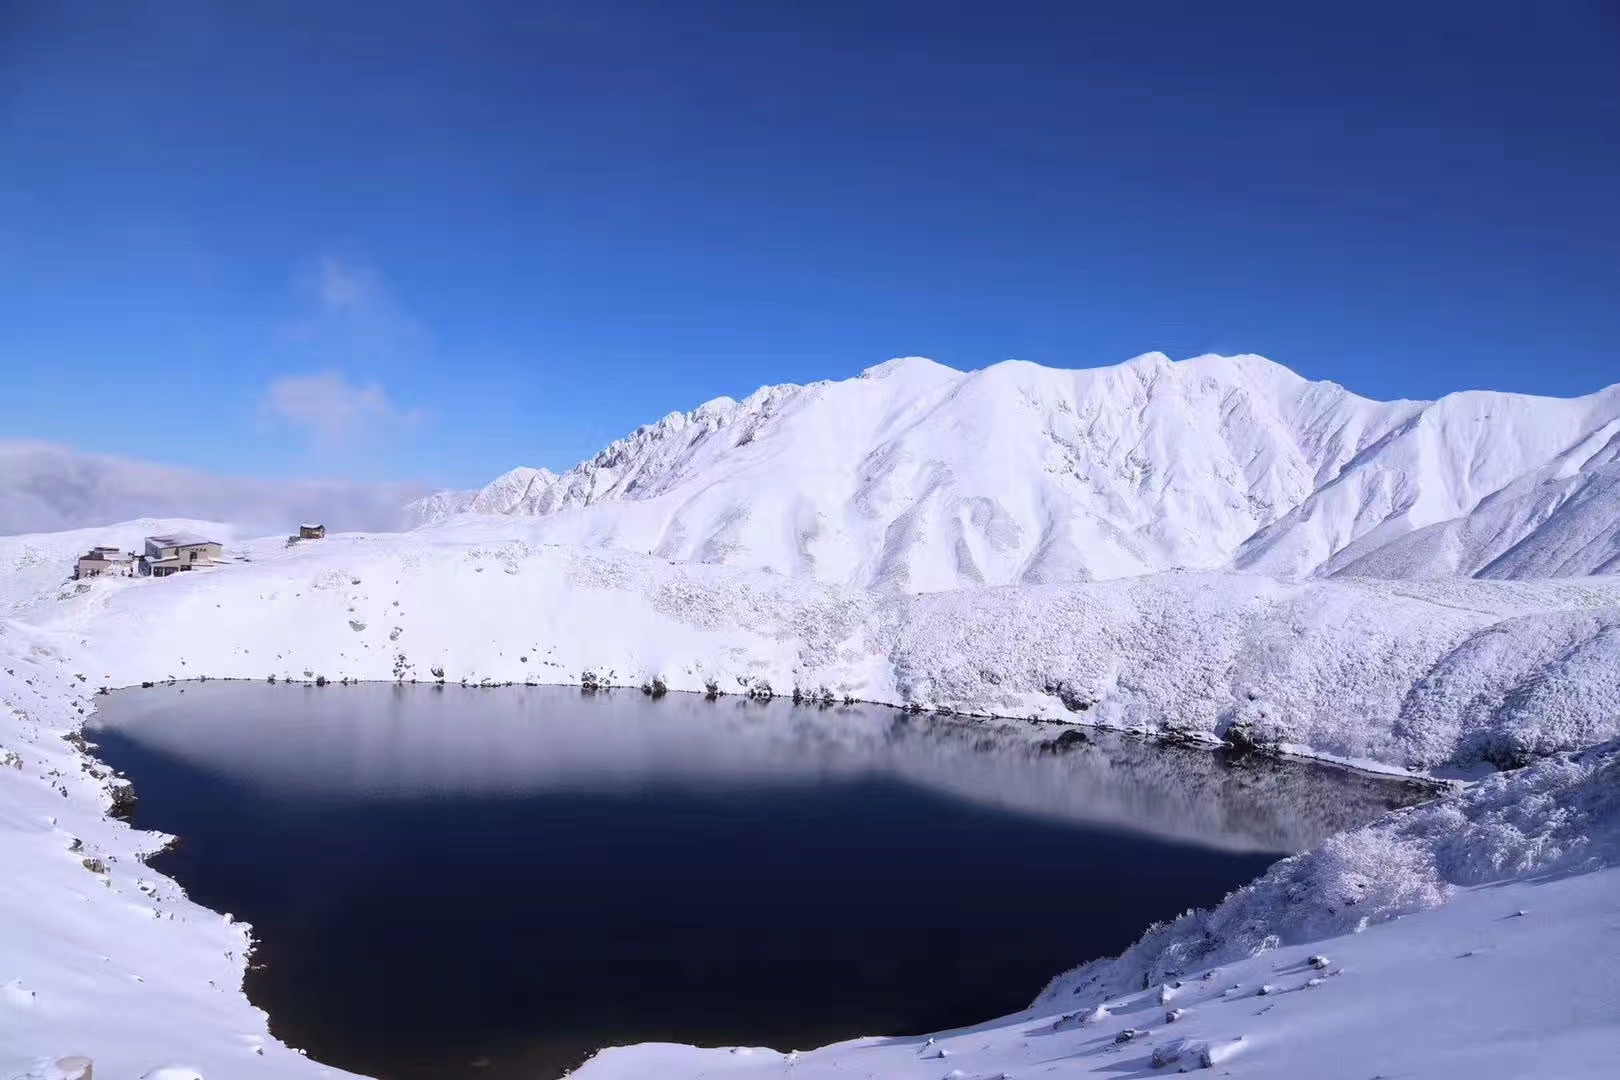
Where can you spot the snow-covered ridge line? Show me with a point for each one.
(915, 476)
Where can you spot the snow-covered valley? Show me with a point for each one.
(1199, 551)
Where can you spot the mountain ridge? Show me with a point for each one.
(916, 476)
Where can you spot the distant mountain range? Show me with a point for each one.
(915, 476)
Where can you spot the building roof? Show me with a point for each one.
(179, 540)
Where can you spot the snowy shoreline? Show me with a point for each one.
(1438, 940)
(1421, 677)
(1401, 676)
(104, 958)
(1280, 752)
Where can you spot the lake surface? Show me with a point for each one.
(452, 882)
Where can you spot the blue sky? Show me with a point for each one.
(432, 241)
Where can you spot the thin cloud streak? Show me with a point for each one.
(332, 411)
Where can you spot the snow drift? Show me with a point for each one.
(918, 477)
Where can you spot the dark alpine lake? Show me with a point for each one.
(452, 882)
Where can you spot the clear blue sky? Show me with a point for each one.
(435, 240)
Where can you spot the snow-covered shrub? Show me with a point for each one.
(1559, 815)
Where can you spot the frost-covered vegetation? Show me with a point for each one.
(1557, 817)
(1431, 675)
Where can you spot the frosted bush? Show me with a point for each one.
(1560, 815)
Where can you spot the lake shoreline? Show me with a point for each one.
(241, 729)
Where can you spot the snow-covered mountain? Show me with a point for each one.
(915, 476)
(508, 493)
(45, 488)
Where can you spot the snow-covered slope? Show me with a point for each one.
(1429, 674)
(101, 957)
(1409, 674)
(918, 477)
(510, 493)
(1474, 936)
(33, 565)
(1562, 519)
(45, 487)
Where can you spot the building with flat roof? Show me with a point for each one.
(173, 553)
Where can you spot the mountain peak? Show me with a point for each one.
(1148, 360)
(908, 366)
(916, 477)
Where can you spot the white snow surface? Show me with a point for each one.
(1422, 675)
(1437, 674)
(106, 960)
(918, 477)
(33, 566)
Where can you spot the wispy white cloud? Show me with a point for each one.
(332, 410)
(350, 321)
(343, 286)
(353, 316)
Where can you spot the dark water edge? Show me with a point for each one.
(450, 883)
